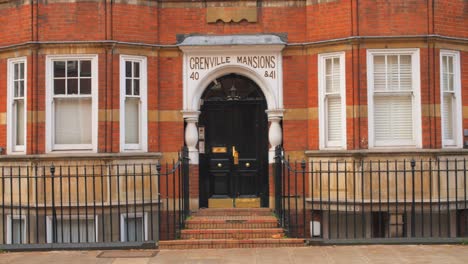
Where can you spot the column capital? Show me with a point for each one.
(275, 114)
(190, 115)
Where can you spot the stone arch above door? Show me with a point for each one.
(257, 57)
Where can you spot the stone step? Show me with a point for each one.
(231, 222)
(232, 233)
(231, 243)
(233, 211)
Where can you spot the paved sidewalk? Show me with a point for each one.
(315, 255)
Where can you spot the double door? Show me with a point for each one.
(233, 161)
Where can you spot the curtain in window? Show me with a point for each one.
(135, 229)
(393, 117)
(20, 122)
(73, 231)
(447, 116)
(73, 121)
(333, 104)
(393, 100)
(18, 231)
(132, 120)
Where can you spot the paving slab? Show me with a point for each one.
(376, 254)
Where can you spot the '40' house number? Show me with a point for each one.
(268, 74)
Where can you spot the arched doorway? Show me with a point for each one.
(233, 142)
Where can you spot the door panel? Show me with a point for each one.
(242, 125)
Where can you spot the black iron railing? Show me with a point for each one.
(348, 200)
(105, 205)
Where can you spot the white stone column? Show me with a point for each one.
(191, 134)
(275, 133)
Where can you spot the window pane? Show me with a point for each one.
(72, 86)
(21, 71)
(450, 64)
(16, 71)
(379, 73)
(72, 68)
(70, 233)
(59, 86)
(85, 68)
(21, 89)
(406, 81)
(450, 82)
(136, 87)
(128, 69)
(334, 119)
(136, 70)
(59, 69)
(128, 86)
(85, 86)
(336, 75)
(132, 121)
(16, 88)
(392, 73)
(19, 115)
(447, 116)
(393, 118)
(135, 229)
(18, 231)
(73, 121)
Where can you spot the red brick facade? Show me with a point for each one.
(36, 29)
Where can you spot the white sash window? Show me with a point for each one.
(332, 102)
(450, 98)
(72, 103)
(394, 98)
(16, 108)
(133, 109)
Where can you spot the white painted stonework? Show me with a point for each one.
(208, 58)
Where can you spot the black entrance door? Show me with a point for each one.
(233, 162)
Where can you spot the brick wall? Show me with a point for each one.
(153, 23)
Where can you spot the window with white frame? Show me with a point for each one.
(133, 117)
(450, 98)
(394, 98)
(72, 229)
(134, 227)
(332, 100)
(16, 229)
(72, 102)
(16, 108)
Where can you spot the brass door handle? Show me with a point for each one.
(235, 155)
(220, 165)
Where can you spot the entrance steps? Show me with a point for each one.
(232, 228)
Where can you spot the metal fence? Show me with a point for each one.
(349, 201)
(92, 206)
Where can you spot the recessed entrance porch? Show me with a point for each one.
(233, 144)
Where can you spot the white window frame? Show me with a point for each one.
(143, 122)
(457, 142)
(12, 148)
(416, 97)
(72, 217)
(50, 126)
(9, 226)
(123, 218)
(323, 121)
